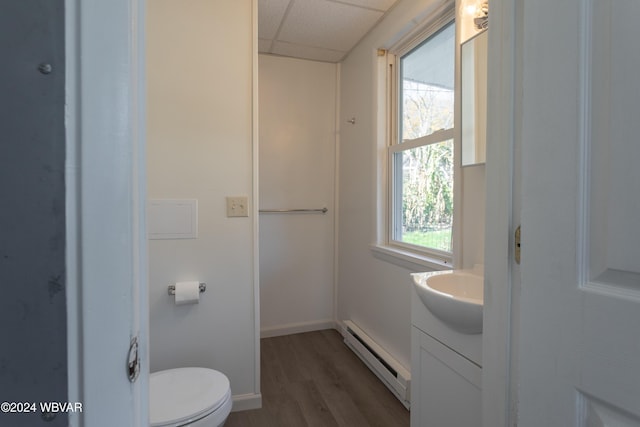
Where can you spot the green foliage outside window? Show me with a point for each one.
(427, 190)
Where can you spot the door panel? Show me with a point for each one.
(611, 277)
(579, 346)
(614, 177)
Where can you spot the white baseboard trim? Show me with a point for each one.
(341, 327)
(245, 402)
(296, 328)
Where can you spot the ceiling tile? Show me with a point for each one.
(382, 5)
(326, 24)
(270, 15)
(297, 51)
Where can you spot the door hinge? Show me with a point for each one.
(517, 245)
(133, 360)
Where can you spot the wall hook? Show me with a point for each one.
(352, 120)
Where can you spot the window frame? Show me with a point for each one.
(431, 256)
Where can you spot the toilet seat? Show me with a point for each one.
(182, 395)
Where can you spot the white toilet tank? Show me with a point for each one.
(195, 397)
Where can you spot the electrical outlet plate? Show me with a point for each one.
(237, 206)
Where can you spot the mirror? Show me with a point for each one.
(474, 99)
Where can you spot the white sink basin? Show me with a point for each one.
(456, 297)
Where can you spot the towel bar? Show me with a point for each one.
(323, 210)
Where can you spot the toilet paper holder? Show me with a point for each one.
(172, 288)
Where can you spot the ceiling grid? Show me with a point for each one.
(321, 30)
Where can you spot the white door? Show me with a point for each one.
(105, 177)
(579, 101)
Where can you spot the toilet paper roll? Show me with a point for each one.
(187, 292)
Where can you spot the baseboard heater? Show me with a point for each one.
(382, 364)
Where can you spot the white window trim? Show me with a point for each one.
(398, 147)
(403, 254)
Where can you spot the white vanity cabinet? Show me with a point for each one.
(446, 372)
(445, 387)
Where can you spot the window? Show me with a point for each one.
(421, 149)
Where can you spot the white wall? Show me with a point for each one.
(199, 68)
(297, 101)
(372, 291)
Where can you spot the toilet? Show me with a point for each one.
(194, 397)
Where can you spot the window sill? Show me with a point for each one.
(409, 260)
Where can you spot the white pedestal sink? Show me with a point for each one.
(456, 297)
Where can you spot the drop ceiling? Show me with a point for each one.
(321, 30)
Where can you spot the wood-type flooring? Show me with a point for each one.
(313, 379)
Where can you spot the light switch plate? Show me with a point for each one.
(237, 206)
